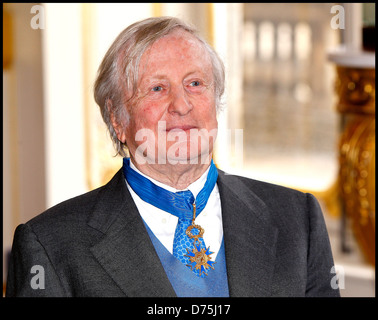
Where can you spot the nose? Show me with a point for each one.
(180, 103)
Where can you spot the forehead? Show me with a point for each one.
(178, 37)
(177, 46)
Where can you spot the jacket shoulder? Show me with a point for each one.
(74, 212)
(264, 190)
(76, 208)
(280, 205)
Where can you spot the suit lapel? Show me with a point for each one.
(249, 237)
(127, 254)
(126, 251)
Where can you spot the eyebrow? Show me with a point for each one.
(150, 78)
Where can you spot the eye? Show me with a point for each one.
(157, 88)
(195, 83)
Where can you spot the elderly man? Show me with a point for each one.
(170, 223)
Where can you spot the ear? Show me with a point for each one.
(117, 124)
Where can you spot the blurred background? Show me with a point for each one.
(299, 108)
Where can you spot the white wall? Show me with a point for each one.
(63, 97)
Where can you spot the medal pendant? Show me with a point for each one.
(199, 259)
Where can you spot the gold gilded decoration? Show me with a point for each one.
(194, 236)
(357, 174)
(356, 91)
(199, 259)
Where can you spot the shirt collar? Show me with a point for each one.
(194, 187)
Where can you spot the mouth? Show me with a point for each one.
(180, 128)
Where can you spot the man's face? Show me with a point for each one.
(173, 114)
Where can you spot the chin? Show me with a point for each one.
(188, 156)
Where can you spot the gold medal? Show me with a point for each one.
(199, 258)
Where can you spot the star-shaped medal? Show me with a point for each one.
(200, 259)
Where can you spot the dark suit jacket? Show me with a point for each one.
(96, 244)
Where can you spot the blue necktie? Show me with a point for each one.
(181, 242)
(179, 204)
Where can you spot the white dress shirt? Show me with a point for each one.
(163, 224)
